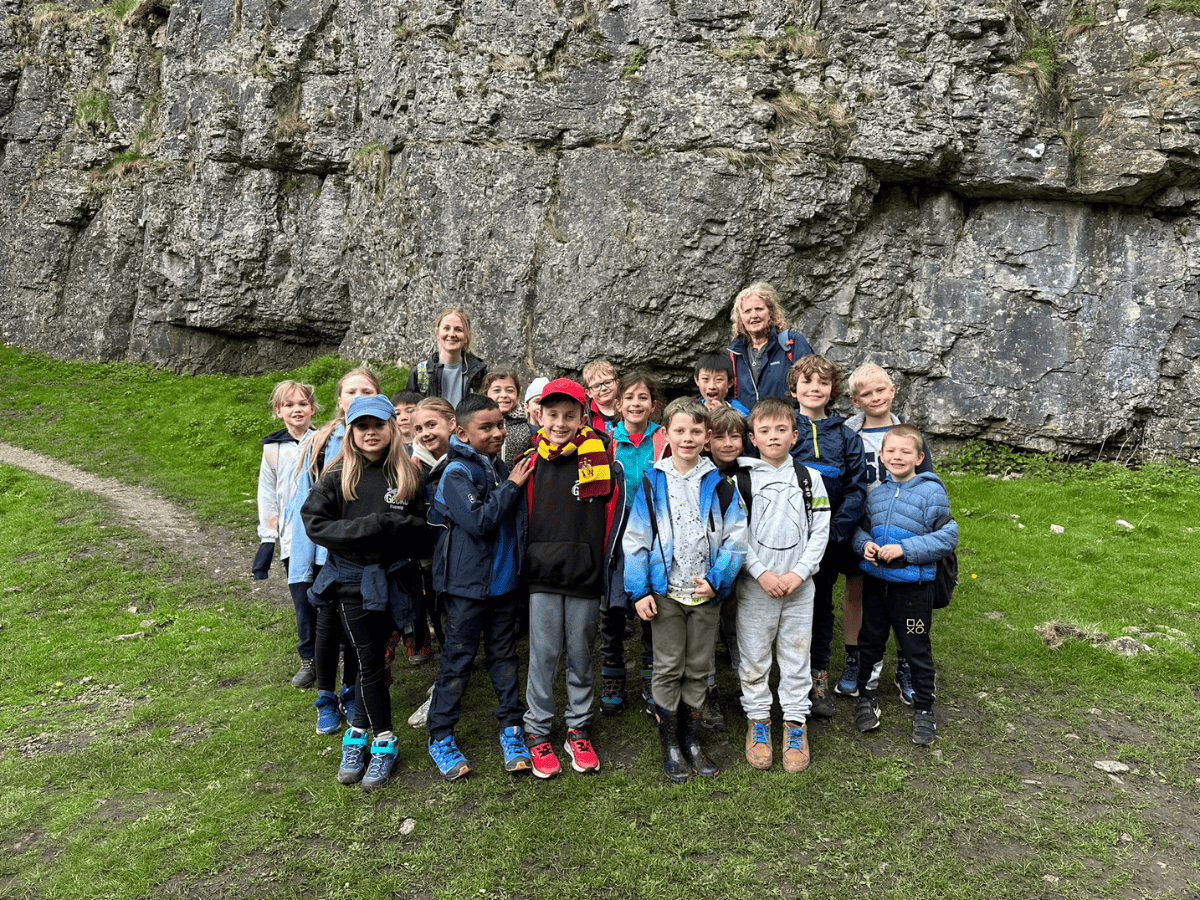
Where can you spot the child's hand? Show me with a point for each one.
(791, 581)
(646, 608)
(520, 471)
(772, 584)
(891, 552)
(713, 403)
(703, 589)
(870, 551)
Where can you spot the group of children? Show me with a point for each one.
(448, 506)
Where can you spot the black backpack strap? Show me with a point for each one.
(806, 488)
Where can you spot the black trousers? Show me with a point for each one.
(906, 609)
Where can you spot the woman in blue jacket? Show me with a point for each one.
(762, 350)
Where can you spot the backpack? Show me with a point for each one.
(802, 475)
(946, 576)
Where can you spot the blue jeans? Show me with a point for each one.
(557, 623)
(466, 619)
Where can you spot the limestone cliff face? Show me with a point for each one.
(1000, 202)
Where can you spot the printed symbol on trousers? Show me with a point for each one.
(915, 626)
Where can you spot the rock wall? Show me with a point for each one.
(1000, 202)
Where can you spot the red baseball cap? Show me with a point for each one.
(565, 387)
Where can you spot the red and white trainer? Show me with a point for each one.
(541, 751)
(579, 748)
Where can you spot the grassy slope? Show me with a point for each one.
(185, 766)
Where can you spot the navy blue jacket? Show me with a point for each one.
(772, 377)
(478, 511)
(834, 450)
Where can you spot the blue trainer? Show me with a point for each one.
(847, 685)
(329, 715)
(516, 754)
(354, 757)
(446, 756)
(384, 757)
(348, 696)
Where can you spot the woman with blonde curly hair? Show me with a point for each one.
(451, 371)
(762, 349)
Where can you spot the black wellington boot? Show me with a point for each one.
(675, 764)
(689, 728)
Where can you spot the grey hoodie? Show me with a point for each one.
(778, 539)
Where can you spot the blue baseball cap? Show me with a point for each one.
(376, 405)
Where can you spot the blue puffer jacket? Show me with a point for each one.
(832, 449)
(772, 377)
(477, 509)
(648, 560)
(904, 514)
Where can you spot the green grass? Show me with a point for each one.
(181, 764)
(194, 438)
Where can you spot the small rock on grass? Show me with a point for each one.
(1124, 524)
(1111, 766)
(130, 637)
(1057, 529)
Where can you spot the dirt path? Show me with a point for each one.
(221, 551)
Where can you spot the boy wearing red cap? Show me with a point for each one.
(575, 496)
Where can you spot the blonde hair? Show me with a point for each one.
(595, 367)
(400, 471)
(687, 406)
(822, 368)
(466, 320)
(865, 373)
(439, 405)
(769, 296)
(317, 448)
(285, 388)
(904, 430)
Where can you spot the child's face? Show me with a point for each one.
(372, 436)
(636, 406)
(603, 388)
(432, 432)
(875, 397)
(452, 334)
(712, 385)
(812, 393)
(504, 392)
(561, 420)
(296, 410)
(404, 413)
(533, 411)
(901, 456)
(484, 431)
(725, 447)
(774, 439)
(354, 386)
(686, 437)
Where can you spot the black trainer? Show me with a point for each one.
(924, 728)
(866, 714)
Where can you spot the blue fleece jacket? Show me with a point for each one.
(648, 560)
(637, 461)
(829, 447)
(904, 513)
(479, 549)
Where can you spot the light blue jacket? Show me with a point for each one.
(905, 514)
(648, 559)
(305, 555)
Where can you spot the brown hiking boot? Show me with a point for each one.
(795, 748)
(758, 743)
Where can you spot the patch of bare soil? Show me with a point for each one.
(221, 551)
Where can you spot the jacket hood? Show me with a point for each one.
(422, 454)
(916, 479)
(704, 465)
(753, 463)
(858, 421)
(463, 450)
(283, 436)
